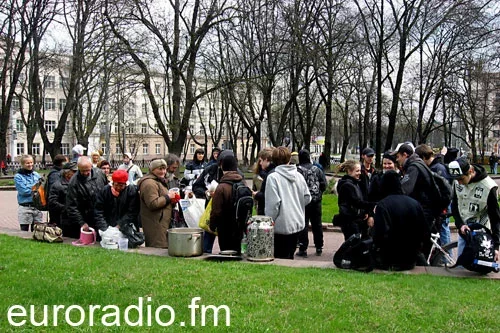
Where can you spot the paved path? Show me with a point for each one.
(332, 238)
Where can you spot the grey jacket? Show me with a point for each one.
(286, 198)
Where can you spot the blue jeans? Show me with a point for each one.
(495, 168)
(208, 242)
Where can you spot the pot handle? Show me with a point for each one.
(197, 236)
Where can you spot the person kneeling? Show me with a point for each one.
(399, 229)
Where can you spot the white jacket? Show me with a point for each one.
(286, 198)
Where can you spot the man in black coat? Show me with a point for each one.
(82, 190)
(400, 230)
(57, 198)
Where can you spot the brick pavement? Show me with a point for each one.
(332, 239)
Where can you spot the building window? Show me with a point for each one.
(103, 148)
(191, 148)
(35, 149)
(156, 129)
(49, 81)
(65, 148)
(19, 125)
(49, 103)
(50, 125)
(20, 148)
(191, 129)
(157, 149)
(496, 134)
(132, 148)
(63, 82)
(145, 149)
(15, 105)
(116, 130)
(144, 128)
(202, 113)
(62, 104)
(131, 128)
(103, 127)
(131, 109)
(144, 109)
(117, 150)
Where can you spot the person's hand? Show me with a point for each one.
(85, 227)
(464, 228)
(370, 222)
(190, 195)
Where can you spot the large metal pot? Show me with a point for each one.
(185, 242)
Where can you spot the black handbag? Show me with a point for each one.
(135, 238)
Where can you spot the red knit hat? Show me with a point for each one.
(120, 176)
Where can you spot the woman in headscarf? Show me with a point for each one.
(156, 204)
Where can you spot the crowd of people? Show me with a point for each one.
(392, 206)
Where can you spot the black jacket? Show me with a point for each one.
(57, 202)
(260, 197)
(112, 211)
(416, 183)
(210, 173)
(352, 205)
(81, 197)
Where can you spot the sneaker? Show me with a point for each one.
(301, 254)
(319, 252)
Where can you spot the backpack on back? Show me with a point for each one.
(441, 192)
(242, 202)
(312, 180)
(355, 253)
(38, 194)
(479, 252)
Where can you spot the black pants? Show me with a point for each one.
(313, 215)
(285, 245)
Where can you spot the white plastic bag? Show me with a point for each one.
(110, 237)
(192, 209)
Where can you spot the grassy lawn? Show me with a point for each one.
(261, 298)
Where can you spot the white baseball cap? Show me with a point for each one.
(78, 149)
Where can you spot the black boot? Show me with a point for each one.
(25, 227)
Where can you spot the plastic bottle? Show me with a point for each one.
(244, 244)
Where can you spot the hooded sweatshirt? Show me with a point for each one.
(286, 198)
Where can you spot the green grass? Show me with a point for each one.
(261, 298)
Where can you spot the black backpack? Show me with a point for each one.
(312, 180)
(479, 252)
(440, 192)
(355, 253)
(242, 202)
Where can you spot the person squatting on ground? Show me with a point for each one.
(263, 168)
(117, 204)
(57, 198)
(435, 164)
(200, 190)
(399, 230)
(82, 190)
(134, 172)
(475, 200)
(316, 185)
(24, 180)
(287, 195)
(156, 201)
(223, 217)
(355, 213)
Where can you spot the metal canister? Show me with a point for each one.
(260, 238)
